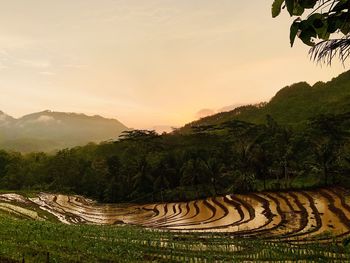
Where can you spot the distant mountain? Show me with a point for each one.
(49, 131)
(292, 105)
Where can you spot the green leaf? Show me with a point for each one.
(320, 24)
(321, 28)
(294, 29)
(307, 3)
(290, 6)
(341, 5)
(345, 28)
(276, 7)
(334, 23)
(306, 35)
(298, 10)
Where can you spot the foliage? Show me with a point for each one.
(235, 156)
(34, 241)
(292, 105)
(300, 138)
(324, 19)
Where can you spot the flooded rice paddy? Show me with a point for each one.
(294, 216)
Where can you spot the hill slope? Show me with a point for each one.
(48, 131)
(291, 105)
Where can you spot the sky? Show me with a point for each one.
(147, 63)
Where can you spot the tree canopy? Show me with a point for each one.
(234, 156)
(322, 24)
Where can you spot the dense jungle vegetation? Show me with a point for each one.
(235, 156)
(299, 139)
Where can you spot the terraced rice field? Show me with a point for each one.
(321, 215)
(308, 226)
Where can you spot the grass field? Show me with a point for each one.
(45, 241)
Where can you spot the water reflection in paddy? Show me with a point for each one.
(295, 215)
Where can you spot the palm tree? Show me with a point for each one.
(215, 168)
(328, 136)
(142, 180)
(326, 50)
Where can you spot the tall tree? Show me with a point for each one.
(328, 136)
(245, 137)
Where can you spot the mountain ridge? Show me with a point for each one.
(292, 105)
(51, 130)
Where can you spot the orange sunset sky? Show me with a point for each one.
(146, 62)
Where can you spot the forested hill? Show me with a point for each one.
(49, 131)
(292, 105)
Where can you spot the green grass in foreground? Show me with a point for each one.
(35, 241)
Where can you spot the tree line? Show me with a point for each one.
(235, 156)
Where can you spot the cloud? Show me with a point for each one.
(33, 63)
(44, 119)
(204, 113)
(2, 66)
(230, 107)
(14, 60)
(207, 112)
(78, 66)
(47, 73)
(4, 119)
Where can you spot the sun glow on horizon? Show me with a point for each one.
(147, 63)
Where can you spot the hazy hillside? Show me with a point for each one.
(48, 131)
(291, 105)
